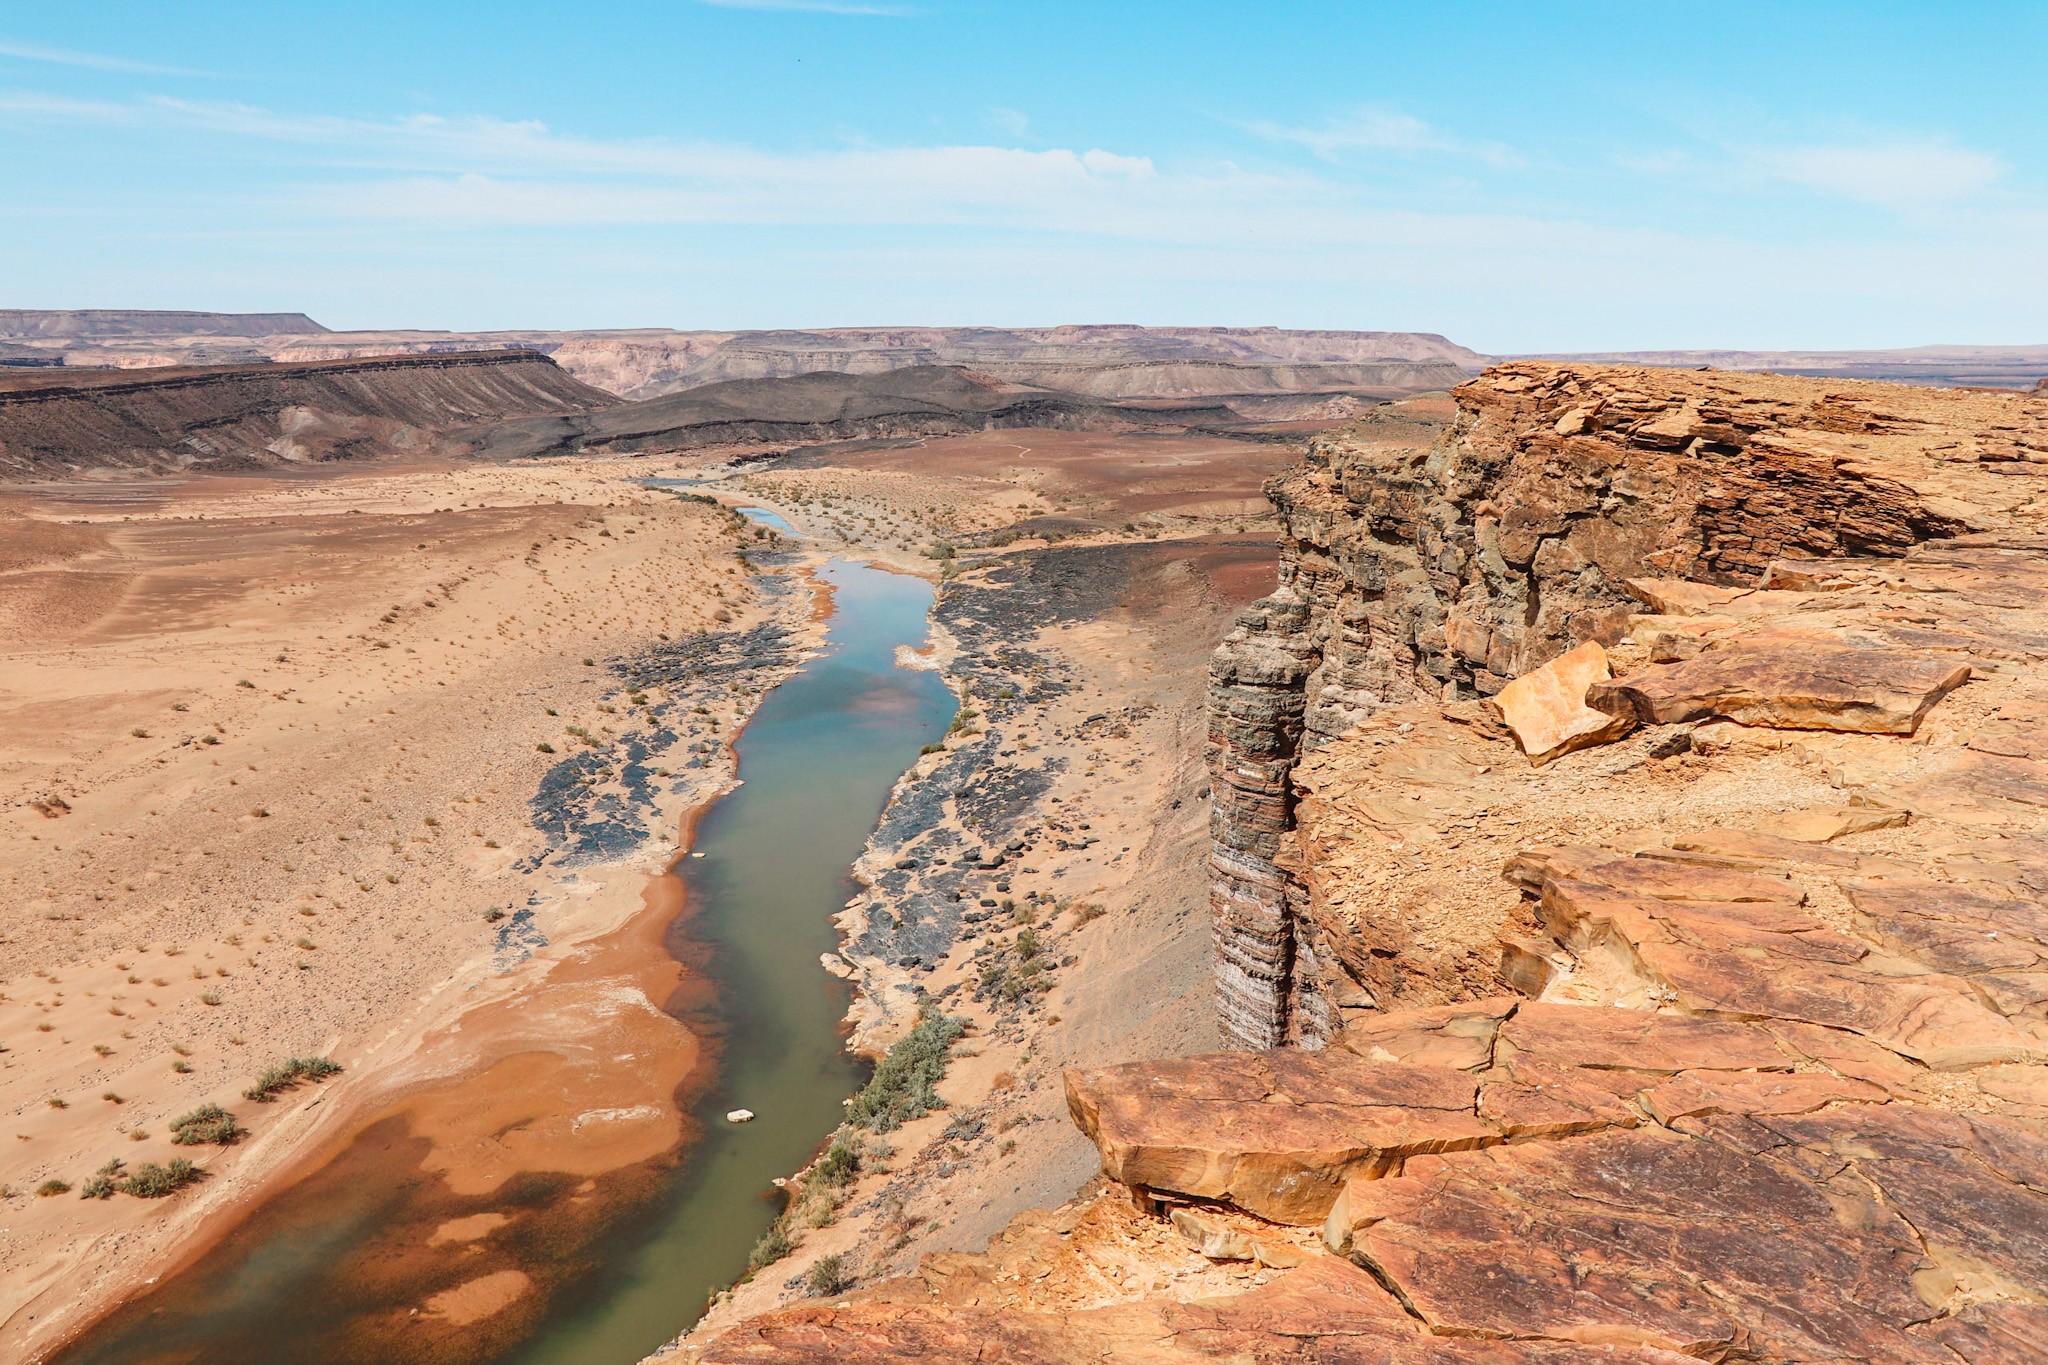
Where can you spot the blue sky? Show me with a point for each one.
(1519, 177)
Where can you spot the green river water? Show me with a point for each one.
(816, 762)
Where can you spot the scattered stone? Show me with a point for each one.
(1210, 1236)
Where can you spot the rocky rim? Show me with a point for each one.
(1717, 1037)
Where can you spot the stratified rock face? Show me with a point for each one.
(1557, 501)
(1269, 689)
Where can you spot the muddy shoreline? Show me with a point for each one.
(485, 1100)
(458, 1155)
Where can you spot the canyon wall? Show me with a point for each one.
(1442, 568)
(1716, 1033)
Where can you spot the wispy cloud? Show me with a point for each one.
(816, 7)
(1010, 122)
(1381, 130)
(92, 61)
(1899, 174)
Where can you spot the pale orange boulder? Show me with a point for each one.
(1547, 711)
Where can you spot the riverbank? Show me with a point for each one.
(1038, 878)
(272, 720)
(1072, 656)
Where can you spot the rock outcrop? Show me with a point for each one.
(1559, 501)
(1721, 1040)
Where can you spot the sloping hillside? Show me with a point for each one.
(59, 424)
(925, 400)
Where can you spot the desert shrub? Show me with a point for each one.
(50, 1188)
(288, 1074)
(151, 1181)
(104, 1181)
(840, 1164)
(209, 1123)
(773, 1246)
(905, 1084)
(828, 1276)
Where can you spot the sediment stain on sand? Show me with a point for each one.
(294, 749)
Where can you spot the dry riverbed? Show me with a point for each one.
(369, 766)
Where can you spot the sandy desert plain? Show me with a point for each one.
(278, 749)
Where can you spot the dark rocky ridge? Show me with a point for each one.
(824, 406)
(57, 424)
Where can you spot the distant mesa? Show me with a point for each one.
(1106, 361)
(1995, 367)
(150, 322)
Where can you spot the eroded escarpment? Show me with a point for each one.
(1720, 1037)
(1417, 570)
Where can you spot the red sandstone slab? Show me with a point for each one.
(1531, 868)
(1637, 1040)
(1459, 1036)
(1698, 1093)
(1769, 962)
(1274, 1133)
(1329, 1312)
(1786, 684)
(1644, 1236)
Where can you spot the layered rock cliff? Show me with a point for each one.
(1720, 1036)
(1415, 570)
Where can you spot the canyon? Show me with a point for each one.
(1626, 878)
(1588, 906)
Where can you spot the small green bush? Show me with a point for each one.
(288, 1074)
(773, 1246)
(209, 1123)
(103, 1183)
(904, 1085)
(840, 1164)
(53, 1187)
(828, 1276)
(152, 1181)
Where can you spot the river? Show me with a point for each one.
(816, 763)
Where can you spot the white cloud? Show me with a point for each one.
(1902, 174)
(94, 61)
(1380, 130)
